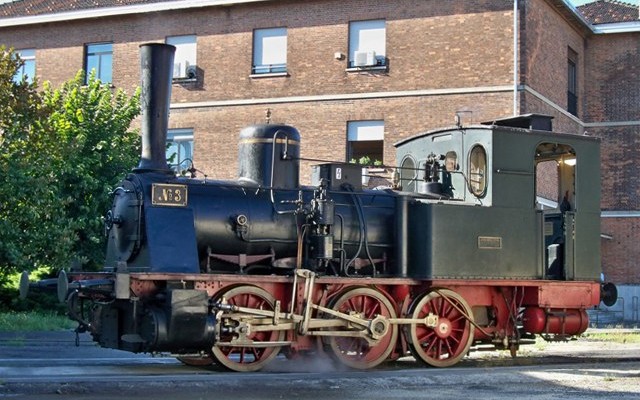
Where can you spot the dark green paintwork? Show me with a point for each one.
(443, 235)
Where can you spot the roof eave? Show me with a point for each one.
(573, 14)
(570, 12)
(121, 10)
(617, 27)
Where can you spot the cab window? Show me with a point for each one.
(477, 172)
(408, 175)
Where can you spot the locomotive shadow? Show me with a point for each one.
(315, 363)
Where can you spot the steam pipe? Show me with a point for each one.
(156, 63)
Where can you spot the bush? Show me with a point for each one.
(61, 152)
(38, 300)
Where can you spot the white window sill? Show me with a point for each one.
(376, 68)
(376, 170)
(269, 75)
(183, 80)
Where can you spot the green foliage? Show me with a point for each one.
(27, 190)
(95, 147)
(61, 152)
(366, 161)
(614, 335)
(33, 321)
(38, 299)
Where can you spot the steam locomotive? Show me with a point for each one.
(462, 252)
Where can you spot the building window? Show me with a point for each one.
(572, 83)
(365, 141)
(28, 68)
(269, 51)
(180, 149)
(184, 61)
(98, 58)
(367, 44)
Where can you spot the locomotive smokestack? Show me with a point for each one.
(156, 62)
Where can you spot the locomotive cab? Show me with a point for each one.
(505, 185)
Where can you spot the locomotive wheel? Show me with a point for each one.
(357, 352)
(246, 359)
(196, 361)
(446, 343)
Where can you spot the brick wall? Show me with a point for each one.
(620, 255)
(613, 73)
(545, 50)
(322, 125)
(620, 152)
(427, 43)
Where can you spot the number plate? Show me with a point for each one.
(163, 194)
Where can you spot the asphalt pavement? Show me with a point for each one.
(49, 365)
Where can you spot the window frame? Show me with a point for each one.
(99, 54)
(561, 179)
(484, 171)
(186, 56)
(369, 131)
(179, 136)
(358, 34)
(275, 49)
(409, 174)
(572, 82)
(28, 64)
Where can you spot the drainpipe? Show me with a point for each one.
(515, 57)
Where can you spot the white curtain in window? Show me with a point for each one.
(185, 54)
(365, 130)
(367, 36)
(270, 46)
(28, 56)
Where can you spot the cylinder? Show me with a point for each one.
(156, 72)
(322, 247)
(558, 321)
(326, 212)
(269, 156)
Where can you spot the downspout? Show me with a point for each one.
(515, 57)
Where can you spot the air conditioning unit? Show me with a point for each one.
(192, 72)
(364, 59)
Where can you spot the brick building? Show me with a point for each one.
(357, 76)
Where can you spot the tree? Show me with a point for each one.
(27, 194)
(91, 124)
(61, 152)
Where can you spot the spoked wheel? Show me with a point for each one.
(196, 361)
(247, 358)
(357, 352)
(450, 339)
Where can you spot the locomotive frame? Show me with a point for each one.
(459, 255)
